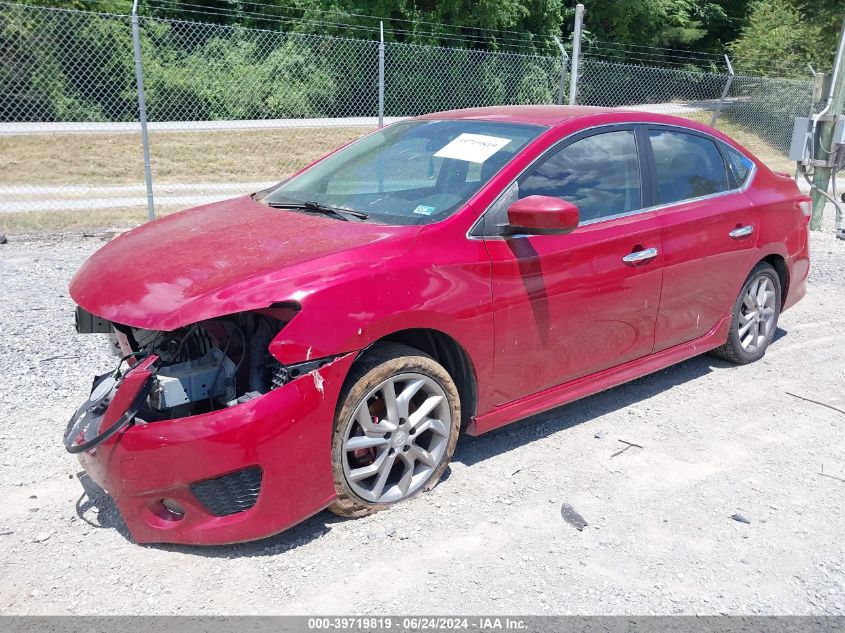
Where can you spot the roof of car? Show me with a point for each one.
(548, 115)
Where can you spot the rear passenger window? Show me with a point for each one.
(687, 166)
(600, 174)
(740, 165)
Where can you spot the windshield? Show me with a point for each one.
(413, 172)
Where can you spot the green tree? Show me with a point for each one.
(776, 40)
(826, 18)
(655, 22)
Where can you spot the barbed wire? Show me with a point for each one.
(524, 36)
(763, 62)
(532, 43)
(626, 59)
(657, 48)
(235, 13)
(205, 10)
(622, 54)
(623, 48)
(521, 34)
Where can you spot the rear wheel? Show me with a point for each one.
(755, 317)
(395, 431)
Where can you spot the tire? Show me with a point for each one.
(742, 346)
(405, 453)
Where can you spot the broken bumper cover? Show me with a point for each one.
(277, 446)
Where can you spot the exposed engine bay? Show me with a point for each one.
(202, 367)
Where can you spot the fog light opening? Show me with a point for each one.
(171, 510)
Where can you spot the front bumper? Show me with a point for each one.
(286, 433)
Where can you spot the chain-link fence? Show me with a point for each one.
(757, 111)
(421, 79)
(64, 71)
(233, 109)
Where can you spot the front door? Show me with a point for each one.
(570, 305)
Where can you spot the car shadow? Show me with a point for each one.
(96, 508)
(472, 450)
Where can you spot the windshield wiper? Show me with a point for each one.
(318, 207)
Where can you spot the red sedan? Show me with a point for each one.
(322, 344)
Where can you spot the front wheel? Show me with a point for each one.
(395, 430)
(755, 317)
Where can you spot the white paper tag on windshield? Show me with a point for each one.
(473, 148)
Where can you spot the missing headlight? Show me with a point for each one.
(203, 367)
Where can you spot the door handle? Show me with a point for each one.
(638, 257)
(741, 231)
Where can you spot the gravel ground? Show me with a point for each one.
(717, 440)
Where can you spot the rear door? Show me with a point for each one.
(708, 231)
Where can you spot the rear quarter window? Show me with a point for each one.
(740, 165)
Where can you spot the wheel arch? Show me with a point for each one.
(778, 262)
(448, 352)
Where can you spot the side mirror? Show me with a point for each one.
(541, 215)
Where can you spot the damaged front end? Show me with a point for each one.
(196, 369)
(201, 435)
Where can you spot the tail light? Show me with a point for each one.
(806, 208)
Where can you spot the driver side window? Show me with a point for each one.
(600, 174)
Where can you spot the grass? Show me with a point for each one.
(176, 157)
(772, 156)
(57, 221)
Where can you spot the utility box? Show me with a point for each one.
(800, 147)
(839, 131)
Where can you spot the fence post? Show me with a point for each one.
(381, 75)
(564, 62)
(724, 92)
(576, 53)
(142, 109)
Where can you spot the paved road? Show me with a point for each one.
(681, 108)
(36, 127)
(25, 198)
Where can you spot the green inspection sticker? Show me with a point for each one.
(424, 209)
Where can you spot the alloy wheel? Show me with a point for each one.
(757, 313)
(396, 438)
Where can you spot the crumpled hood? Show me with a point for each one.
(224, 258)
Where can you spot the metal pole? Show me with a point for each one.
(724, 92)
(142, 110)
(815, 97)
(576, 53)
(564, 62)
(833, 107)
(381, 75)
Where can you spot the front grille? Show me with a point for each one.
(230, 493)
